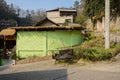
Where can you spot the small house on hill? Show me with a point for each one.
(46, 22)
(4, 24)
(62, 15)
(44, 40)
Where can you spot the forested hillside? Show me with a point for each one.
(11, 12)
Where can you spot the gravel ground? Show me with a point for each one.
(48, 70)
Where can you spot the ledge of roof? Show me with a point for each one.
(8, 32)
(61, 9)
(48, 28)
(44, 20)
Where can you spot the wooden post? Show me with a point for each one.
(4, 48)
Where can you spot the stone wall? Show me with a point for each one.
(114, 24)
(113, 36)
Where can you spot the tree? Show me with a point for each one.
(13, 13)
(29, 21)
(38, 15)
(115, 8)
(81, 19)
(18, 10)
(7, 11)
(3, 9)
(76, 4)
(82, 2)
(95, 9)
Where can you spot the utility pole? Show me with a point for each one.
(107, 24)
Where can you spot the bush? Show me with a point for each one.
(94, 50)
(87, 35)
(81, 19)
(2, 62)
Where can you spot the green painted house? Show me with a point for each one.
(43, 41)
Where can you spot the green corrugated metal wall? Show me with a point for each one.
(42, 43)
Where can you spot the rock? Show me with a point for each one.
(117, 56)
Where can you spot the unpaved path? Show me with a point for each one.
(47, 70)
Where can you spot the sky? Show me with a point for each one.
(41, 4)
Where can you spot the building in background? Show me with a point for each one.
(46, 22)
(62, 15)
(5, 24)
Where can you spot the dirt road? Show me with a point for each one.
(47, 70)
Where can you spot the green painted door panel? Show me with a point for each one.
(31, 41)
(58, 39)
(31, 44)
(76, 38)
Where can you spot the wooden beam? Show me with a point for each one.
(4, 49)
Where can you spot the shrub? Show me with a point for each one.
(87, 36)
(82, 20)
(94, 50)
(2, 62)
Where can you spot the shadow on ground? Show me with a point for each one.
(6, 65)
(60, 74)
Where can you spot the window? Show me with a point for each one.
(68, 20)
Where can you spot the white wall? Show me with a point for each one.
(55, 17)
